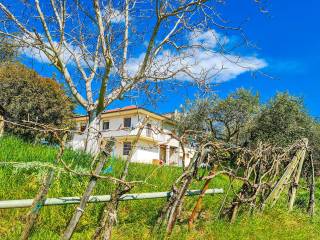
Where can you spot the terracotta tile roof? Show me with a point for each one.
(130, 107)
(121, 109)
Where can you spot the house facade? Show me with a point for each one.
(154, 145)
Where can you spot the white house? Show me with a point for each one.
(155, 143)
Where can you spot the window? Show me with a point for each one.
(149, 130)
(105, 125)
(126, 148)
(83, 127)
(127, 122)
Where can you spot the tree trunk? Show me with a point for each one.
(236, 203)
(108, 218)
(173, 202)
(176, 207)
(172, 209)
(85, 197)
(93, 135)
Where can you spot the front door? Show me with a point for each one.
(162, 153)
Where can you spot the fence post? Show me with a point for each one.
(1, 123)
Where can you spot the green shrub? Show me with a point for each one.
(25, 95)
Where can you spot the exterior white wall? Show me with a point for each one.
(189, 153)
(146, 153)
(77, 142)
(147, 150)
(117, 149)
(116, 127)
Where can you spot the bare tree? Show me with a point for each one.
(115, 46)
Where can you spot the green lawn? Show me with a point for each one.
(136, 218)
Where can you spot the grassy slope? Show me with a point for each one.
(136, 218)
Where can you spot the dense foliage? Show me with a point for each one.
(242, 119)
(282, 121)
(8, 51)
(25, 95)
(226, 119)
(234, 113)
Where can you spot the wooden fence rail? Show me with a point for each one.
(24, 203)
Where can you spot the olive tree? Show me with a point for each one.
(282, 121)
(226, 119)
(235, 113)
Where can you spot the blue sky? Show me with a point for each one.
(289, 43)
(287, 39)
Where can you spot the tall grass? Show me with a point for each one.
(136, 218)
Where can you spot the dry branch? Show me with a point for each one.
(266, 172)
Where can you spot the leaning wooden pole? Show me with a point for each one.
(295, 184)
(163, 215)
(41, 196)
(109, 212)
(311, 205)
(197, 208)
(1, 124)
(86, 195)
(172, 209)
(283, 181)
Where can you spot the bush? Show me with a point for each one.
(25, 95)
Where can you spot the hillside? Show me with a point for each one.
(136, 218)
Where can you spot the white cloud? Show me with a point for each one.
(68, 53)
(208, 39)
(31, 52)
(114, 15)
(196, 62)
(199, 62)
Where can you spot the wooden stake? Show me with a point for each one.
(311, 205)
(278, 188)
(294, 186)
(234, 212)
(109, 213)
(197, 207)
(86, 195)
(41, 196)
(1, 125)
